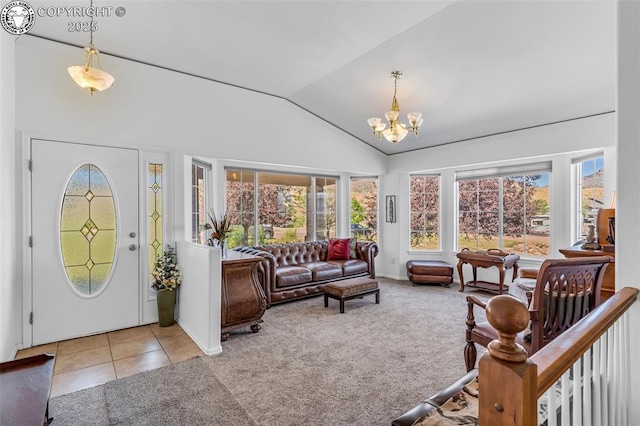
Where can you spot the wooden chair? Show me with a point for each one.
(566, 290)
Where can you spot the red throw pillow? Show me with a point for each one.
(338, 249)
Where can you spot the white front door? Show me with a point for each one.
(85, 240)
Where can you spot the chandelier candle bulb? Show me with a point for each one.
(396, 130)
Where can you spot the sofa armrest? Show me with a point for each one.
(367, 251)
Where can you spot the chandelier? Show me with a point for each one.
(396, 130)
(88, 77)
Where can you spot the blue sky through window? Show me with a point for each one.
(590, 167)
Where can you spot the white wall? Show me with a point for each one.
(198, 310)
(10, 286)
(628, 189)
(547, 143)
(155, 110)
(149, 107)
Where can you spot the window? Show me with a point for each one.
(590, 193)
(155, 213)
(506, 209)
(364, 208)
(88, 230)
(199, 201)
(285, 207)
(424, 195)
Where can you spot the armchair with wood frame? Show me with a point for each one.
(566, 290)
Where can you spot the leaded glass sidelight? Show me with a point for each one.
(155, 213)
(88, 230)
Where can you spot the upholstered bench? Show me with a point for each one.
(350, 289)
(430, 272)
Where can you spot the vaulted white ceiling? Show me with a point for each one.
(472, 67)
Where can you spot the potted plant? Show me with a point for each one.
(220, 229)
(167, 280)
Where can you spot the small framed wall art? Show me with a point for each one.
(390, 208)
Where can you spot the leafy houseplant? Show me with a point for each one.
(167, 280)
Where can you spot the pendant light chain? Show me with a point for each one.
(91, 25)
(88, 77)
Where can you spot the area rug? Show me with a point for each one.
(186, 393)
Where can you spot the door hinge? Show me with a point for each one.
(30, 240)
(31, 318)
(30, 165)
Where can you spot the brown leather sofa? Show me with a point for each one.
(296, 270)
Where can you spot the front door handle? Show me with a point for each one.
(133, 247)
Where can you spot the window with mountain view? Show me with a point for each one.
(364, 208)
(425, 212)
(505, 209)
(590, 173)
(268, 207)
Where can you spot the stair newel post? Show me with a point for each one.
(507, 378)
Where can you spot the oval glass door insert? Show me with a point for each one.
(88, 230)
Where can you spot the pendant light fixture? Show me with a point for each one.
(396, 130)
(88, 77)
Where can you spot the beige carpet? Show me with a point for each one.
(308, 365)
(178, 394)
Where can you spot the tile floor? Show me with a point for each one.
(94, 360)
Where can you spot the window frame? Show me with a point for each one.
(313, 192)
(439, 213)
(206, 177)
(373, 235)
(577, 207)
(501, 173)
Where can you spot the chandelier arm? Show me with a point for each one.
(89, 62)
(98, 59)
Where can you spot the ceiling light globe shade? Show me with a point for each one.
(395, 134)
(391, 115)
(374, 122)
(414, 117)
(380, 127)
(90, 78)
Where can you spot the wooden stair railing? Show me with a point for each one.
(509, 382)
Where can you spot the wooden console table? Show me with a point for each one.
(25, 385)
(609, 280)
(487, 259)
(243, 300)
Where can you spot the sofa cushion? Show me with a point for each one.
(287, 276)
(321, 271)
(351, 266)
(338, 249)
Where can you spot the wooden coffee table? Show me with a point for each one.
(487, 259)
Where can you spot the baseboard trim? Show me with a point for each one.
(213, 350)
(393, 277)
